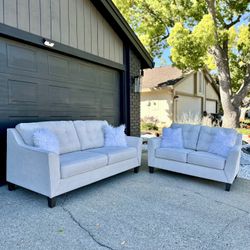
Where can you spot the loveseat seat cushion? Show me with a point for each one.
(64, 131)
(207, 135)
(206, 159)
(116, 154)
(80, 162)
(190, 134)
(90, 133)
(174, 154)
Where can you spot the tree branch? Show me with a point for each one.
(228, 26)
(244, 89)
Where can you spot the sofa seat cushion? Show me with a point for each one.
(206, 159)
(174, 154)
(116, 154)
(80, 162)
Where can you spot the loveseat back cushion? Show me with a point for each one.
(190, 134)
(207, 135)
(64, 131)
(90, 133)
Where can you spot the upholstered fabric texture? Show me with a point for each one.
(90, 133)
(116, 154)
(222, 143)
(172, 138)
(207, 134)
(174, 154)
(64, 131)
(190, 134)
(78, 162)
(114, 136)
(45, 139)
(206, 159)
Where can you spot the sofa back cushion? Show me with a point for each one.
(64, 131)
(207, 135)
(190, 134)
(90, 133)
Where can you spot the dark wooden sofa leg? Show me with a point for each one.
(51, 202)
(228, 186)
(151, 170)
(11, 186)
(136, 170)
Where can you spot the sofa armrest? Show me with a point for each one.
(135, 142)
(233, 163)
(30, 167)
(153, 144)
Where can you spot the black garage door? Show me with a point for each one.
(36, 85)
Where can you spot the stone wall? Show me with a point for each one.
(135, 66)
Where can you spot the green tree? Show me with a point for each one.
(212, 34)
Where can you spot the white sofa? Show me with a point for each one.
(83, 159)
(194, 159)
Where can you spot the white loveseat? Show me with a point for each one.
(82, 160)
(194, 159)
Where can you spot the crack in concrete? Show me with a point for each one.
(223, 203)
(82, 227)
(223, 230)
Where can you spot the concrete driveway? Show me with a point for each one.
(130, 211)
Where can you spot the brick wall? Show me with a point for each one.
(135, 66)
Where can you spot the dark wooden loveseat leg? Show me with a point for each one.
(11, 186)
(136, 170)
(151, 170)
(51, 202)
(228, 186)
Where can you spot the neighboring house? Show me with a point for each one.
(169, 95)
(67, 60)
(245, 109)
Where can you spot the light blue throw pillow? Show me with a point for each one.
(114, 137)
(172, 138)
(45, 139)
(222, 143)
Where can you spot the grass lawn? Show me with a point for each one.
(244, 131)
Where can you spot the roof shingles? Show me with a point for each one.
(162, 76)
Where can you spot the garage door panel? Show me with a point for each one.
(211, 106)
(21, 58)
(58, 66)
(188, 108)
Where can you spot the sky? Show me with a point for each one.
(164, 60)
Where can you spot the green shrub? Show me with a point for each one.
(145, 126)
(244, 131)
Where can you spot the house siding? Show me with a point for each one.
(75, 23)
(157, 105)
(186, 85)
(135, 66)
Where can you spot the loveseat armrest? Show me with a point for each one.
(135, 142)
(31, 167)
(153, 144)
(232, 166)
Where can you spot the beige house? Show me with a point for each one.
(169, 95)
